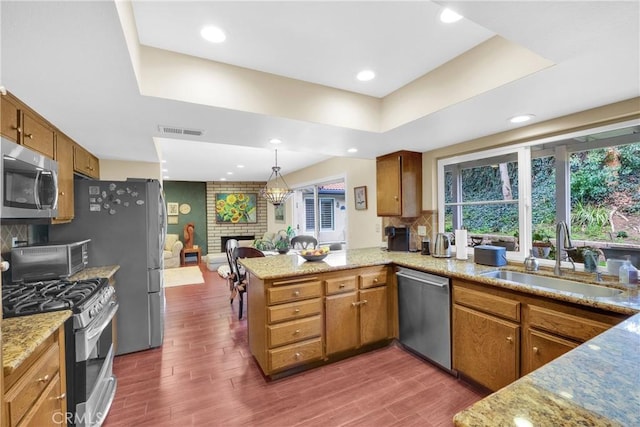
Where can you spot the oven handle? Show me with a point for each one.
(95, 331)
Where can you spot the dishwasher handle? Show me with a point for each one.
(443, 284)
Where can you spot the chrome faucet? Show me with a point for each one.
(563, 242)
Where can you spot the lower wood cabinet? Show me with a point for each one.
(500, 335)
(306, 319)
(35, 394)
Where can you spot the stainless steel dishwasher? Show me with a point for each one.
(424, 315)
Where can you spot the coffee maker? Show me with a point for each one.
(398, 238)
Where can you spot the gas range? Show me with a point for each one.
(85, 298)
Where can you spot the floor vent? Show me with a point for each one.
(172, 130)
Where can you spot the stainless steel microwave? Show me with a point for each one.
(29, 183)
(48, 261)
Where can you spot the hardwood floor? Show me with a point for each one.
(204, 375)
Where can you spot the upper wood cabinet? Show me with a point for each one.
(399, 184)
(23, 126)
(64, 156)
(37, 135)
(10, 119)
(85, 163)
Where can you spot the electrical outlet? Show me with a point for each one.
(14, 240)
(422, 230)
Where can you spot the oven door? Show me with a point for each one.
(94, 380)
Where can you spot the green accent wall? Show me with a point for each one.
(195, 195)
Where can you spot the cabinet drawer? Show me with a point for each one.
(340, 284)
(503, 307)
(297, 330)
(564, 324)
(295, 354)
(37, 136)
(373, 277)
(294, 310)
(21, 397)
(294, 292)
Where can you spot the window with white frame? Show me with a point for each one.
(590, 179)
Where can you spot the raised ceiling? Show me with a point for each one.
(74, 63)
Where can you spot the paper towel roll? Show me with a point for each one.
(461, 244)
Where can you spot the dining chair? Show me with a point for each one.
(304, 242)
(242, 281)
(233, 275)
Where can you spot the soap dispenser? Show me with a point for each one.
(531, 262)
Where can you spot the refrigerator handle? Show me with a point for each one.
(163, 218)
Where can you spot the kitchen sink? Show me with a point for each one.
(553, 283)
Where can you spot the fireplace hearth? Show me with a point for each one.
(224, 239)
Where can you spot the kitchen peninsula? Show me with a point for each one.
(317, 280)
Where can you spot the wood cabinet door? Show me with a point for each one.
(485, 348)
(64, 156)
(9, 120)
(37, 136)
(341, 314)
(85, 162)
(388, 186)
(542, 348)
(374, 317)
(48, 411)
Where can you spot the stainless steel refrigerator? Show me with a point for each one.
(126, 222)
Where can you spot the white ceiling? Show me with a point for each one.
(69, 61)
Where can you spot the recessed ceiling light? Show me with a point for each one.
(275, 141)
(240, 166)
(352, 150)
(223, 179)
(229, 173)
(448, 16)
(366, 75)
(166, 177)
(164, 161)
(521, 118)
(165, 170)
(213, 34)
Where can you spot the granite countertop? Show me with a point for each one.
(91, 272)
(22, 335)
(282, 266)
(597, 383)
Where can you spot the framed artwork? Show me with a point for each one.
(172, 209)
(236, 208)
(279, 214)
(360, 197)
(172, 220)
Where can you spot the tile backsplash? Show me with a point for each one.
(428, 219)
(20, 231)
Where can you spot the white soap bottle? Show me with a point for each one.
(628, 276)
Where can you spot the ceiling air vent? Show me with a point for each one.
(173, 130)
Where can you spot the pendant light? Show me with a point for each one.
(276, 191)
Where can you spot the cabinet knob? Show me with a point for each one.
(535, 350)
(62, 396)
(297, 332)
(18, 128)
(510, 339)
(375, 280)
(297, 310)
(353, 304)
(364, 301)
(395, 197)
(29, 135)
(298, 355)
(43, 379)
(342, 285)
(62, 193)
(296, 293)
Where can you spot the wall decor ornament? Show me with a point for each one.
(360, 197)
(279, 214)
(185, 208)
(236, 208)
(172, 208)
